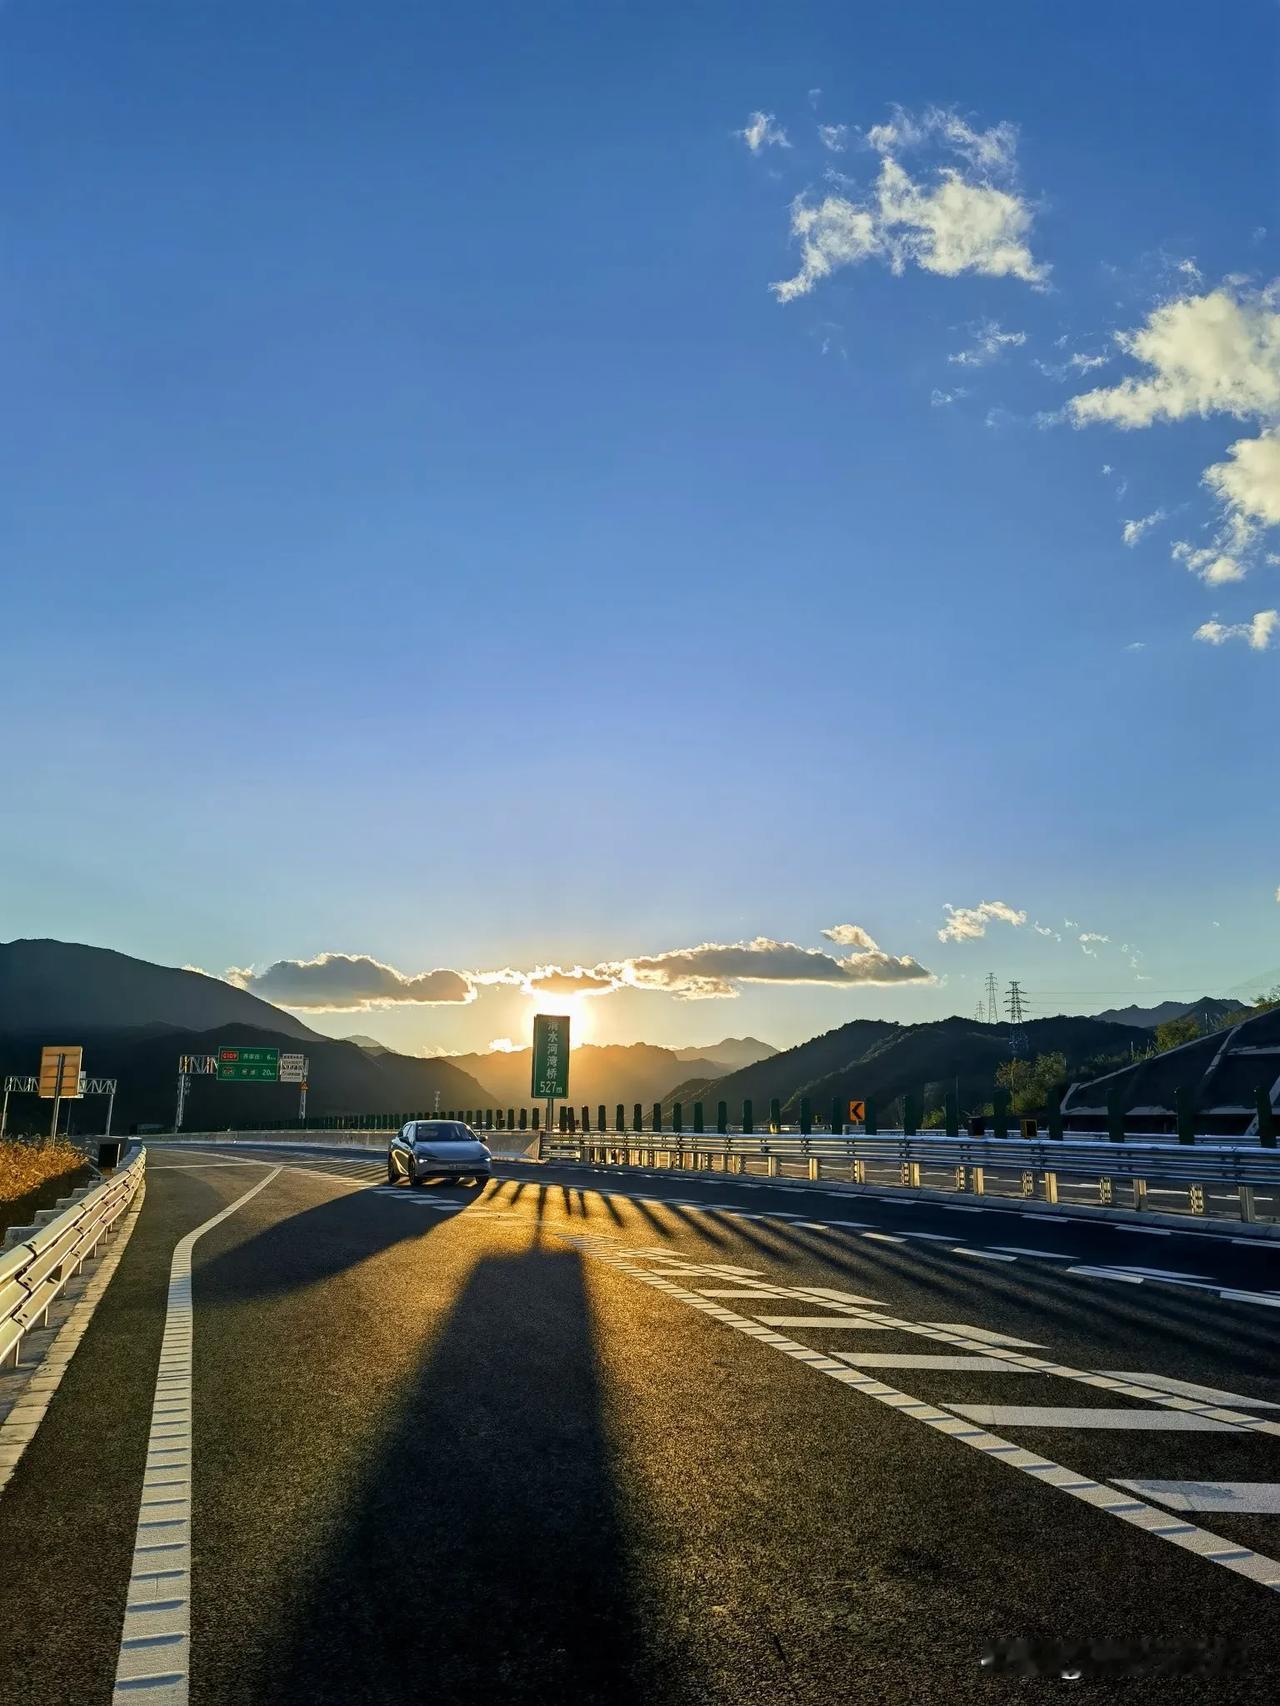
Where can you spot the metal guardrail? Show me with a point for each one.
(34, 1272)
(1067, 1172)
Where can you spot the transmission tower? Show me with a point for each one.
(993, 999)
(1015, 1005)
(982, 1013)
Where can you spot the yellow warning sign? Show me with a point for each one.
(60, 1070)
(857, 1113)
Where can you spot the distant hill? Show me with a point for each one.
(1209, 1010)
(598, 1072)
(370, 1045)
(877, 1058)
(730, 1053)
(344, 1078)
(53, 987)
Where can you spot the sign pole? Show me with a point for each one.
(4, 1109)
(111, 1102)
(57, 1097)
(182, 1096)
(302, 1101)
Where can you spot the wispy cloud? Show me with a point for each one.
(1090, 941)
(1047, 930)
(943, 399)
(762, 130)
(958, 219)
(990, 340)
(1134, 530)
(834, 137)
(968, 923)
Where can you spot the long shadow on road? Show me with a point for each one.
(479, 1557)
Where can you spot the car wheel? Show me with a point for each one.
(392, 1176)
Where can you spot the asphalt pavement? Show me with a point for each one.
(594, 1436)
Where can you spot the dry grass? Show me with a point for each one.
(25, 1167)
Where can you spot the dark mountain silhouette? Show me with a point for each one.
(69, 987)
(344, 1079)
(1209, 1010)
(729, 1053)
(879, 1059)
(598, 1072)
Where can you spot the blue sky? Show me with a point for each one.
(428, 537)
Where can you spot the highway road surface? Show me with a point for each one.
(590, 1436)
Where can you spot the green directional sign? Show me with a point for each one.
(551, 1054)
(249, 1065)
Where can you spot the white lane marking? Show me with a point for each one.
(948, 1364)
(990, 1255)
(959, 1208)
(931, 1237)
(1086, 1416)
(1107, 1273)
(839, 1296)
(19, 1426)
(155, 1645)
(200, 1166)
(1044, 1255)
(885, 1237)
(1159, 1231)
(818, 1321)
(756, 1291)
(1272, 1302)
(1201, 1542)
(982, 1334)
(1189, 1389)
(1160, 1273)
(1249, 1498)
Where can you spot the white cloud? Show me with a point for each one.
(835, 137)
(504, 1045)
(1089, 941)
(1047, 930)
(1084, 363)
(1257, 633)
(1133, 530)
(943, 399)
(1213, 566)
(959, 221)
(1070, 924)
(338, 983)
(762, 130)
(968, 923)
(1136, 646)
(1248, 482)
(989, 340)
(1213, 354)
(713, 969)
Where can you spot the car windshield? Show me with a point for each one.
(443, 1131)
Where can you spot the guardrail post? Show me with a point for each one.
(771, 1165)
(524, 1119)
(1053, 1113)
(806, 1116)
(698, 1125)
(1185, 1107)
(657, 1116)
(1050, 1187)
(602, 1123)
(951, 1105)
(564, 1120)
(677, 1117)
(1266, 1119)
(747, 1126)
(1000, 1114)
(637, 1117)
(869, 1125)
(586, 1117)
(911, 1104)
(1139, 1193)
(1246, 1203)
(511, 1119)
(978, 1180)
(837, 1116)
(722, 1118)
(1196, 1196)
(1115, 1115)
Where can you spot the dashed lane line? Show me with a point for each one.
(1137, 1513)
(1088, 1416)
(155, 1646)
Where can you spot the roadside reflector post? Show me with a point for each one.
(1000, 1114)
(1185, 1112)
(619, 1118)
(722, 1118)
(910, 1115)
(747, 1126)
(1266, 1119)
(806, 1116)
(775, 1114)
(837, 1117)
(951, 1104)
(869, 1125)
(677, 1118)
(1115, 1115)
(698, 1125)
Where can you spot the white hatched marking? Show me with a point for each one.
(1053, 1416)
(988, 1255)
(856, 1321)
(154, 1658)
(1254, 1566)
(948, 1364)
(885, 1237)
(838, 1296)
(1108, 1273)
(1247, 1498)
(1189, 1389)
(759, 1291)
(982, 1334)
(1045, 1255)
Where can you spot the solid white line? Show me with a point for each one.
(949, 1364)
(1189, 1389)
(1249, 1498)
(991, 1255)
(1054, 1416)
(1107, 1273)
(1272, 1302)
(1045, 1255)
(885, 1237)
(155, 1646)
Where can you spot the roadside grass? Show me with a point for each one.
(33, 1175)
